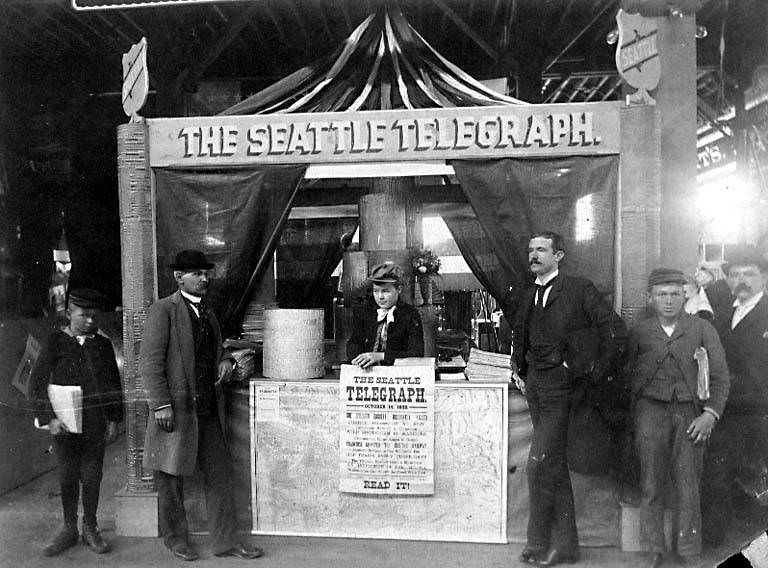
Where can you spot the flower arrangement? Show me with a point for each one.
(424, 261)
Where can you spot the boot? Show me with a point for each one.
(92, 537)
(66, 538)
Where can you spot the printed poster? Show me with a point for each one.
(387, 430)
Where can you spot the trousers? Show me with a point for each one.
(81, 462)
(664, 448)
(215, 463)
(552, 515)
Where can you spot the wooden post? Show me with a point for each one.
(676, 98)
(136, 505)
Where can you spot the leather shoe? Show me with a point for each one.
(655, 560)
(555, 557)
(241, 552)
(92, 537)
(66, 538)
(529, 555)
(184, 552)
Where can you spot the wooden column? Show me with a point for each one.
(638, 245)
(137, 504)
(676, 98)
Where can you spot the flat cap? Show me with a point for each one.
(745, 256)
(666, 276)
(386, 273)
(86, 298)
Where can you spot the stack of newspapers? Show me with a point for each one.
(488, 367)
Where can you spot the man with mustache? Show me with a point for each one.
(565, 332)
(739, 445)
(183, 365)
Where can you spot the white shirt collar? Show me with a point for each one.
(748, 304)
(551, 276)
(190, 297)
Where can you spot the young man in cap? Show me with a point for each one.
(79, 356)
(388, 328)
(672, 424)
(565, 332)
(738, 449)
(182, 365)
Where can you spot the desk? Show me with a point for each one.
(294, 462)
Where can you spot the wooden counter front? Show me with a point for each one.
(294, 484)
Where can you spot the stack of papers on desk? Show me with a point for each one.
(416, 362)
(488, 367)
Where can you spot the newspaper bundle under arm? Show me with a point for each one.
(67, 403)
(702, 384)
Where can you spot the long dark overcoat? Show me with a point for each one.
(167, 367)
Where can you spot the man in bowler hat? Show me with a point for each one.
(182, 364)
(738, 449)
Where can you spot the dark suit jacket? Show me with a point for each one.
(589, 335)
(167, 367)
(405, 335)
(647, 347)
(746, 349)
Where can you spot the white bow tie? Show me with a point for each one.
(384, 313)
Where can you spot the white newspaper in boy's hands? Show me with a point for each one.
(67, 403)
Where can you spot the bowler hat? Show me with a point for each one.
(386, 273)
(85, 298)
(666, 276)
(745, 256)
(191, 260)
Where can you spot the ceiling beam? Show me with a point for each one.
(468, 31)
(226, 37)
(57, 24)
(607, 4)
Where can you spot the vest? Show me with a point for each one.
(205, 361)
(668, 383)
(544, 350)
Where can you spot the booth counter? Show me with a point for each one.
(287, 461)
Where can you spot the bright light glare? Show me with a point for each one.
(435, 230)
(722, 207)
(585, 219)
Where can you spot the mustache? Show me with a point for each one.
(742, 288)
(534, 261)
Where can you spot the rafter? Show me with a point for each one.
(468, 31)
(212, 53)
(607, 4)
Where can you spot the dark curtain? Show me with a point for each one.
(513, 198)
(458, 311)
(228, 214)
(309, 251)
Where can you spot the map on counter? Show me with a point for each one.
(387, 430)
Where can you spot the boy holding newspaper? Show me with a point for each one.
(78, 356)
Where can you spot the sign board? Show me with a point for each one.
(135, 79)
(84, 5)
(637, 53)
(715, 155)
(387, 430)
(385, 136)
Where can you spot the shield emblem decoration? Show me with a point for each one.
(637, 54)
(135, 79)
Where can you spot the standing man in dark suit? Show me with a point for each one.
(556, 320)
(182, 366)
(738, 449)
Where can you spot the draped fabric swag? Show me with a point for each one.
(512, 198)
(308, 252)
(232, 215)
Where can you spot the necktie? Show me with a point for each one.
(202, 307)
(540, 289)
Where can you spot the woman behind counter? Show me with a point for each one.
(387, 328)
